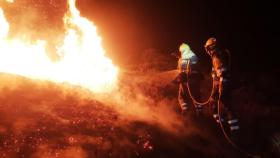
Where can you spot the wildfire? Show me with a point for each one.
(82, 58)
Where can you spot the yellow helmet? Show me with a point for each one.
(183, 47)
(210, 43)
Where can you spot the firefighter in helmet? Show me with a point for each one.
(221, 74)
(187, 57)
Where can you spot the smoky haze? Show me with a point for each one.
(139, 119)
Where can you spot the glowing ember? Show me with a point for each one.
(82, 61)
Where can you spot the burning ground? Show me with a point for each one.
(44, 119)
(40, 119)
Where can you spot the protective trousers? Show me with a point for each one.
(221, 93)
(184, 97)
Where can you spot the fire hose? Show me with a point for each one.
(189, 89)
(219, 114)
(212, 91)
(226, 135)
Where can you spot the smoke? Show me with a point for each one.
(140, 118)
(139, 98)
(44, 119)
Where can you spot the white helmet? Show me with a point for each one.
(184, 47)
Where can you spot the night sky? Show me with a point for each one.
(247, 28)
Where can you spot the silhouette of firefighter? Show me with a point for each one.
(221, 74)
(188, 74)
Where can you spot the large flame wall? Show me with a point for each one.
(82, 59)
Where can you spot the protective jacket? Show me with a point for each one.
(221, 65)
(187, 56)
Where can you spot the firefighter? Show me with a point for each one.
(187, 56)
(221, 74)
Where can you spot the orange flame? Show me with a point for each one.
(82, 61)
